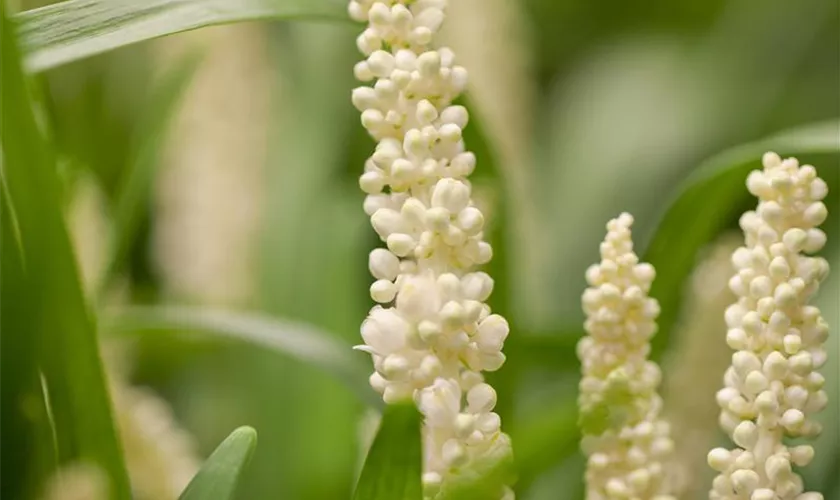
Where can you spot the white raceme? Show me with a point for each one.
(77, 481)
(773, 388)
(696, 355)
(432, 335)
(626, 441)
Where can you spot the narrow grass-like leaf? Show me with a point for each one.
(28, 455)
(59, 321)
(394, 463)
(297, 340)
(133, 196)
(712, 199)
(218, 477)
(68, 31)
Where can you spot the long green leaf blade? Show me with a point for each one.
(711, 199)
(60, 323)
(393, 465)
(297, 340)
(28, 455)
(76, 29)
(218, 477)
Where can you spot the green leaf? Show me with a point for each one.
(711, 199)
(134, 193)
(554, 350)
(393, 466)
(28, 454)
(545, 440)
(218, 477)
(59, 323)
(297, 340)
(76, 29)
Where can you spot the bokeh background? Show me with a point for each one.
(588, 109)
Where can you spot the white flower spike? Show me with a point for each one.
(773, 387)
(432, 335)
(626, 442)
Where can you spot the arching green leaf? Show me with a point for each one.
(68, 31)
(297, 340)
(711, 199)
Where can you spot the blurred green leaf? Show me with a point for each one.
(68, 31)
(393, 465)
(555, 350)
(59, 322)
(544, 440)
(833, 489)
(218, 477)
(710, 200)
(133, 195)
(28, 454)
(297, 340)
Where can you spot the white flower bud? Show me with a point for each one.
(719, 459)
(385, 331)
(492, 333)
(451, 194)
(453, 453)
(471, 220)
(383, 291)
(428, 63)
(383, 264)
(481, 398)
(400, 244)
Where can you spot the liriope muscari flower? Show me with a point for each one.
(432, 335)
(626, 442)
(160, 455)
(77, 481)
(773, 387)
(695, 353)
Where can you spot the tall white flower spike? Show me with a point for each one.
(432, 335)
(626, 442)
(772, 388)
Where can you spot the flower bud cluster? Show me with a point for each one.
(432, 334)
(625, 440)
(773, 388)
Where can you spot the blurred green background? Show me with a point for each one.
(585, 109)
